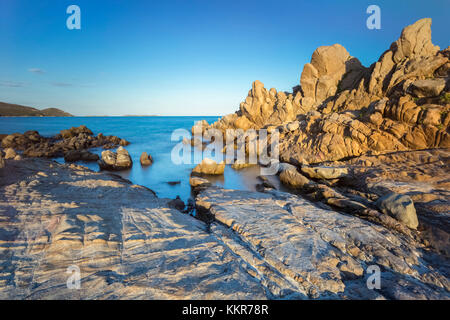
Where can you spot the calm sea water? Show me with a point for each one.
(150, 134)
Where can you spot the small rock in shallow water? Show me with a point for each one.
(238, 165)
(208, 166)
(10, 153)
(124, 142)
(197, 181)
(115, 161)
(146, 159)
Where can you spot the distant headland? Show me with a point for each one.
(15, 110)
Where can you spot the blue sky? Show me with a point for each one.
(182, 57)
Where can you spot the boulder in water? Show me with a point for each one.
(209, 166)
(119, 160)
(146, 159)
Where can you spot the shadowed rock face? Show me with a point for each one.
(127, 243)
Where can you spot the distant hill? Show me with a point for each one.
(15, 110)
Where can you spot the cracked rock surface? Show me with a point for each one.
(300, 249)
(127, 243)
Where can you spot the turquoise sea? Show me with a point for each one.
(150, 134)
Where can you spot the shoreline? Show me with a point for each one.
(75, 216)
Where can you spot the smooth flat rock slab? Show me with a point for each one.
(127, 243)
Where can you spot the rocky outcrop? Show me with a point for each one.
(241, 164)
(2, 162)
(22, 141)
(414, 42)
(342, 109)
(200, 127)
(209, 166)
(417, 179)
(115, 161)
(301, 250)
(146, 159)
(75, 131)
(292, 178)
(331, 70)
(74, 139)
(427, 88)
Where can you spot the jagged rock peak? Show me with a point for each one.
(414, 41)
(331, 69)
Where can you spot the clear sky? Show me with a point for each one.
(184, 57)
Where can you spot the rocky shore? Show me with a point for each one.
(129, 244)
(364, 152)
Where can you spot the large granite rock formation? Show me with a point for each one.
(342, 109)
